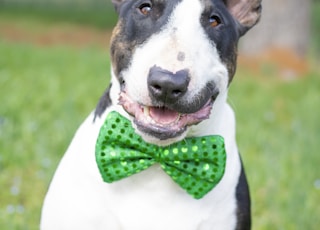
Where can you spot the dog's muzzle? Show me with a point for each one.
(170, 114)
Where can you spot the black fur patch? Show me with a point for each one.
(225, 36)
(103, 103)
(243, 203)
(135, 28)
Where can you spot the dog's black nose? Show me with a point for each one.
(166, 86)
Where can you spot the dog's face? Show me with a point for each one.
(173, 58)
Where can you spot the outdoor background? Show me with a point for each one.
(54, 66)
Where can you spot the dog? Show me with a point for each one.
(172, 63)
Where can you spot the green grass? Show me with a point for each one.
(46, 92)
(278, 132)
(100, 17)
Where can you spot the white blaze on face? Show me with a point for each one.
(181, 44)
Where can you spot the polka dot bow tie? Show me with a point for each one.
(196, 164)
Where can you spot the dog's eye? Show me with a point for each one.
(145, 8)
(214, 21)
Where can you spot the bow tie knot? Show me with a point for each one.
(196, 164)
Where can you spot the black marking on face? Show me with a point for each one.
(134, 28)
(225, 35)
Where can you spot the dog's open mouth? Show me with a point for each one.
(162, 122)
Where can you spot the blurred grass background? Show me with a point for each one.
(52, 75)
(98, 13)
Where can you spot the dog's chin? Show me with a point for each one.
(161, 124)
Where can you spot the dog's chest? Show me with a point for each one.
(151, 198)
(147, 200)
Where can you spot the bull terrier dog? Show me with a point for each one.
(159, 151)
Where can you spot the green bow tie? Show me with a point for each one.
(196, 164)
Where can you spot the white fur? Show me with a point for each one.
(150, 200)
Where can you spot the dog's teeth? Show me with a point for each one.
(178, 118)
(146, 111)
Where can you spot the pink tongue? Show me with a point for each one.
(163, 115)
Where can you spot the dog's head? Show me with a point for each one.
(172, 59)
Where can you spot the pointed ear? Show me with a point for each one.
(117, 4)
(247, 12)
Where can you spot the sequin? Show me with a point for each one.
(184, 149)
(175, 150)
(194, 148)
(166, 152)
(206, 167)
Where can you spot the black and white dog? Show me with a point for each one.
(172, 63)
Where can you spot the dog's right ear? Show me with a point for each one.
(117, 4)
(246, 12)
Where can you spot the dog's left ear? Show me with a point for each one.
(246, 12)
(117, 4)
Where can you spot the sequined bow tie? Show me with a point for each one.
(196, 164)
